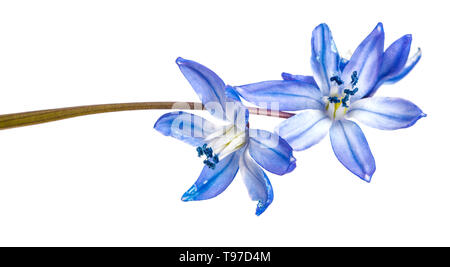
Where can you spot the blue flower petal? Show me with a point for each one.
(395, 57)
(186, 127)
(366, 61)
(300, 78)
(231, 94)
(208, 86)
(325, 58)
(351, 148)
(343, 63)
(394, 60)
(212, 182)
(410, 64)
(305, 129)
(271, 152)
(385, 113)
(257, 183)
(287, 95)
(236, 112)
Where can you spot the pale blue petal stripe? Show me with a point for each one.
(366, 61)
(284, 95)
(385, 113)
(208, 86)
(257, 183)
(351, 149)
(325, 58)
(395, 57)
(271, 152)
(305, 129)
(184, 126)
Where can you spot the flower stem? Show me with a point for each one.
(8, 121)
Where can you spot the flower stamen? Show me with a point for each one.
(344, 99)
(336, 79)
(221, 143)
(354, 78)
(334, 99)
(211, 160)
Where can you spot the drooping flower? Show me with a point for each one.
(341, 89)
(226, 149)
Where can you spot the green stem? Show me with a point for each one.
(8, 121)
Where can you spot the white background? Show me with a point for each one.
(111, 179)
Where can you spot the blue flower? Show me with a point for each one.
(226, 149)
(341, 89)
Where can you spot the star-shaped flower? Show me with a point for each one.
(339, 90)
(226, 149)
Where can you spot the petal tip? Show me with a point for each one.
(155, 126)
(379, 27)
(367, 178)
(159, 124)
(286, 76)
(260, 208)
(420, 116)
(186, 198)
(190, 194)
(292, 165)
(322, 25)
(321, 28)
(180, 60)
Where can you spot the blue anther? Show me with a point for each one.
(354, 78)
(337, 80)
(333, 99)
(345, 100)
(208, 152)
(351, 92)
(200, 151)
(209, 164)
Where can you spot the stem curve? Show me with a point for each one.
(22, 119)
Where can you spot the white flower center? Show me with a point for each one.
(338, 102)
(222, 143)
